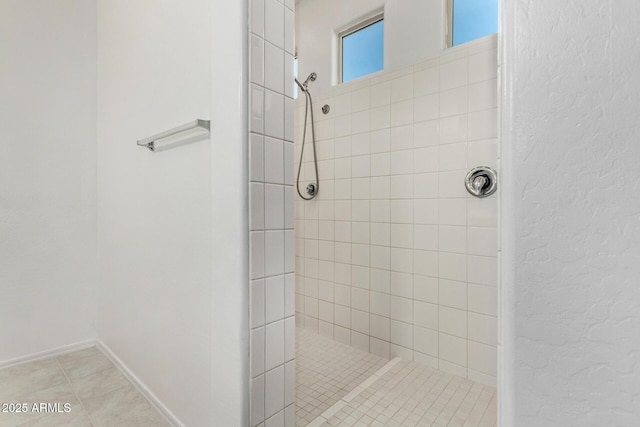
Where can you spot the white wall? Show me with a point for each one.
(47, 175)
(413, 33)
(571, 213)
(172, 225)
(394, 256)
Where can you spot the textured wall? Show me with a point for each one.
(571, 213)
(47, 175)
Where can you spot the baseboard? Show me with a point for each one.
(155, 402)
(47, 353)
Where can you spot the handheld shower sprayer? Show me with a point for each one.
(313, 187)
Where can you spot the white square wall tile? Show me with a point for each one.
(257, 303)
(425, 263)
(483, 299)
(426, 134)
(453, 266)
(274, 68)
(454, 101)
(257, 17)
(453, 294)
(273, 207)
(289, 295)
(452, 157)
(380, 327)
(452, 239)
(401, 309)
(257, 109)
(483, 358)
(425, 341)
(360, 99)
(425, 237)
(360, 321)
(257, 60)
(426, 108)
(288, 125)
(257, 206)
(274, 253)
(381, 141)
(402, 88)
(425, 315)
(454, 74)
(289, 383)
(425, 160)
(483, 270)
(274, 114)
(453, 349)
(452, 212)
(274, 23)
(257, 158)
(483, 328)
(453, 129)
(402, 113)
(453, 321)
(483, 152)
(483, 66)
(425, 288)
(401, 334)
(257, 352)
(289, 31)
(483, 241)
(483, 124)
(289, 251)
(289, 338)
(483, 95)
(274, 391)
(274, 291)
(425, 211)
(274, 345)
(257, 400)
(257, 254)
(289, 82)
(274, 160)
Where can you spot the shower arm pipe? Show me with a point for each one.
(308, 105)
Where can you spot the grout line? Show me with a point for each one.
(74, 391)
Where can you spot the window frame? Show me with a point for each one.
(448, 26)
(351, 29)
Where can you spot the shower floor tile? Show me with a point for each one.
(398, 393)
(326, 371)
(98, 394)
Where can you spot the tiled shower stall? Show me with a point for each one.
(394, 256)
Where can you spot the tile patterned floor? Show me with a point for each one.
(326, 371)
(98, 394)
(399, 394)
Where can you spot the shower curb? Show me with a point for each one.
(333, 409)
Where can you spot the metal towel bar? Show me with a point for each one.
(150, 142)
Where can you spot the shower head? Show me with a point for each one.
(312, 77)
(303, 86)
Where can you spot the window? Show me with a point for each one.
(362, 49)
(472, 19)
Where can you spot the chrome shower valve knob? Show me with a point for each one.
(312, 189)
(481, 181)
